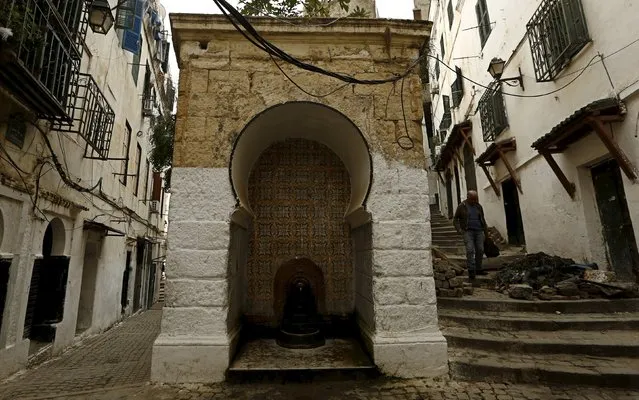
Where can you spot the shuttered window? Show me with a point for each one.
(132, 37)
(483, 21)
(457, 88)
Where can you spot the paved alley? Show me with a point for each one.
(121, 356)
(116, 365)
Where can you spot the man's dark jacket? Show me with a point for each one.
(461, 217)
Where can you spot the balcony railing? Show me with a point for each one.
(39, 61)
(92, 116)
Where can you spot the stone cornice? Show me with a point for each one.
(385, 32)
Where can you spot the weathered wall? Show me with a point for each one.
(299, 191)
(553, 222)
(224, 84)
(111, 67)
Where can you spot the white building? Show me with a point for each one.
(560, 144)
(82, 217)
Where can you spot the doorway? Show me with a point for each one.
(514, 222)
(124, 299)
(89, 277)
(469, 169)
(47, 290)
(139, 266)
(457, 185)
(5, 266)
(449, 194)
(616, 224)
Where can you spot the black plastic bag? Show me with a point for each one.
(490, 248)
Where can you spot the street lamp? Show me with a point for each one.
(496, 70)
(100, 16)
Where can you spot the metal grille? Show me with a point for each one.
(556, 32)
(45, 51)
(92, 116)
(492, 113)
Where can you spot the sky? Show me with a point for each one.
(402, 9)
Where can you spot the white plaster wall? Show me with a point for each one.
(110, 66)
(552, 221)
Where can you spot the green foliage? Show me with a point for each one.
(162, 141)
(297, 8)
(25, 29)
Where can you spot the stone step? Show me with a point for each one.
(546, 369)
(445, 241)
(602, 306)
(587, 343)
(456, 250)
(513, 321)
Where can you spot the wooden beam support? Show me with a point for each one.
(490, 179)
(440, 178)
(624, 162)
(461, 162)
(511, 171)
(569, 186)
(466, 137)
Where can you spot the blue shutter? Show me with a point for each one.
(131, 38)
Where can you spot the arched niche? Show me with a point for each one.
(303, 120)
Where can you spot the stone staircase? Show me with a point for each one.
(445, 237)
(584, 342)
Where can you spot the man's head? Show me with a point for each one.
(472, 197)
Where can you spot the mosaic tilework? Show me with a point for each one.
(299, 191)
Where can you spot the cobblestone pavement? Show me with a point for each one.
(116, 366)
(121, 356)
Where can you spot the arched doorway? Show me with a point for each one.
(47, 291)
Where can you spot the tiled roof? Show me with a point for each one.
(608, 106)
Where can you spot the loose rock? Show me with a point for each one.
(520, 292)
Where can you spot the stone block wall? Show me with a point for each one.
(225, 82)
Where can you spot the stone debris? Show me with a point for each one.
(450, 280)
(555, 278)
(521, 292)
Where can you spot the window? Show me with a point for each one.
(125, 145)
(483, 21)
(441, 45)
(16, 130)
(125, 15)
(437, 70)
(148, 93)
(556, 32)
(146, 181)
(138, 161)
(457, 88)
(132, 25)
(451, 14)
(492, 113)
(447, 119)
(135, 67)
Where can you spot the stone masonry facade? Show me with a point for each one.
(225, 83)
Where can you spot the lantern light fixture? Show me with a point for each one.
(496, 70)
(100, 16)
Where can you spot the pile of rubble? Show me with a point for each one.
(450, 280)
(554, 278)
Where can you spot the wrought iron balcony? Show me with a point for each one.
(40, 65)
(92, 116)
(39, 60)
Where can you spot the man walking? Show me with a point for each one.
(469, 221)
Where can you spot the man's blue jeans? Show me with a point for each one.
(474, 241)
